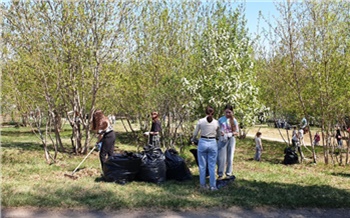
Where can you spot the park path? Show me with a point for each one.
(231, 212)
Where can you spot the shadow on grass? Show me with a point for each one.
(16, 132)
(29, 146)
(177, 195)
(123, 138)
(341, 174)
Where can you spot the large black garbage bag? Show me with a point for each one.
(176, 167)
(290, 156)
(121, 168)
(224, 182)
(153, 167)
(194, 152)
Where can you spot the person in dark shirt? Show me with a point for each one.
(156, 128)
(106, 135)
(339, 138)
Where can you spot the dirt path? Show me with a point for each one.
(274, 134)
(199, 213)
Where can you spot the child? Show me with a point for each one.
(258, 147)
(316, 139)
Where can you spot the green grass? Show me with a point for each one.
(28, 181)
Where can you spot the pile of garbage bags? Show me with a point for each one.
(151, 165)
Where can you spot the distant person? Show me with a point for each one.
(258, 146)
(283, 123)
(279, 123)
(227, 142)
(294, 133)
(317, 139)
(156, 129)
(296, 143)
(207, 147)
(106, 136)
(301, 142)
(301, 136)
(339, 137)
(295, 138)
(303, 123)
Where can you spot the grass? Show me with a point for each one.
(28, 181)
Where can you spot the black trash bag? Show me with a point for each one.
(153, 167)
(121, 168)
(176, 167)
(224, 182)
(194, 152)
(290, 156)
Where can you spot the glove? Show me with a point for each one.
(194, 141)
(98, 146)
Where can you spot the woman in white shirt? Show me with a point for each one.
(207, 147)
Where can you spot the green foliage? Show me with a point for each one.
(227, 74)
(303, 67)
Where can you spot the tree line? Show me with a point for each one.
(304, 67)
(128, 58)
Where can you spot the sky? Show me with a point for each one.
(267, 8)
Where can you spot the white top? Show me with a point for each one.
(258, 142)
(207, 129)
(301, 133)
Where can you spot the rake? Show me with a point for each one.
(72, 175)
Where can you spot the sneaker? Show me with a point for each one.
(220, 177)
(204, 187)
(213, 189)
(230, 177)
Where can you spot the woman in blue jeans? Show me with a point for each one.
(227, 142)
(207, 147)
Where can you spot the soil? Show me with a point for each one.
(196, 213)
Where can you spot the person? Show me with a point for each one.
(156, 128)
(207, 147)
(106, 136)
(303, 123)
(339, 137)
(301, 142)
(227, 142)
(317, 139)
(258, 146)
(301, 136)
(294, 133)
(295, 138)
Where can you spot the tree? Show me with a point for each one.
(306, 47)
(227, 74)
(65, 47)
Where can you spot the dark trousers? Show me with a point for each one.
(107, 149)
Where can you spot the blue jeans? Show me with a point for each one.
(226, 154)
(257, 154)
(207, 153)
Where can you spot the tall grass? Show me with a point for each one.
(28, 181)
